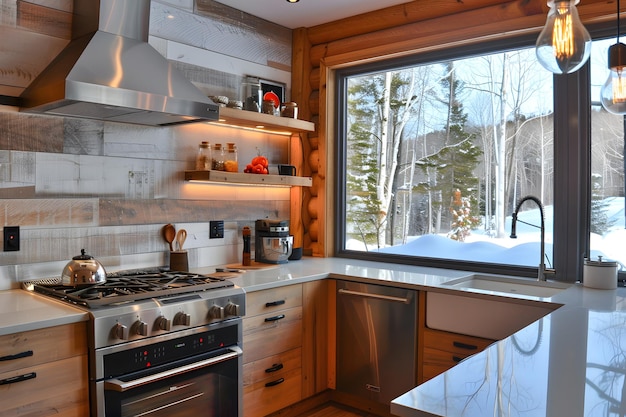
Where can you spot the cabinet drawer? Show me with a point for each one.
(281, 333)
(59, 388)
(442, 358)
(455, 343)
(21, 350)
(260, 400)
(262, 302)
(271, 367)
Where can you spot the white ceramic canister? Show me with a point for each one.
(600, 274)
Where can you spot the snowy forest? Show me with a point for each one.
(449, 148)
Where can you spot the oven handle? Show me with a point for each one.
(121, 386)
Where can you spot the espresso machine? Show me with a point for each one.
(272, 242)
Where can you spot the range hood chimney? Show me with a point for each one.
(110, 72)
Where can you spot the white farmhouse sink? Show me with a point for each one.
(509, 285)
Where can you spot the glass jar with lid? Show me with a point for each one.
(217, 157)
(230, 158)
(251, 94)
(203, 158)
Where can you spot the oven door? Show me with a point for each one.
(205, 386)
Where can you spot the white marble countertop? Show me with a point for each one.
(571, 362)
(22, 311)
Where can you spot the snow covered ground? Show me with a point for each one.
(521, 251)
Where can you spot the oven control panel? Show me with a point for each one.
(168, 351)
(162, 316)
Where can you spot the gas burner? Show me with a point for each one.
(135, 285)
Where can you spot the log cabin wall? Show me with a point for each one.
(406, 29)
(108, 187)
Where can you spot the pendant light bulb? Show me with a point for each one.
(613, 92)
(564, 45)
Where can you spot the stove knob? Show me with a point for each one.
(183, 319)
(140, 328)
(162, 323)
(232, 309)
(120, 331)
(216, 312)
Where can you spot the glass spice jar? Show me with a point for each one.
(230, 158)
(203, 159)
(217, 157)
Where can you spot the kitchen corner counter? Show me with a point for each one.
(568, 363)
(22, 311)
(571, 362)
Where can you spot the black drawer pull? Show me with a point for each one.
(464, 346)
(18, 378)
(17, 356)
(274, 368)
(274, 383)
(275, 303)
(275, 318)
(457, 359)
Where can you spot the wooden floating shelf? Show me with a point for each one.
(247, 179)
(260, 121)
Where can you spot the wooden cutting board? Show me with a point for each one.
(226, 275)
(253, 266)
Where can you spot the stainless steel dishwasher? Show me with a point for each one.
(376, 340)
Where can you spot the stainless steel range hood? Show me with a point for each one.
(110, 72)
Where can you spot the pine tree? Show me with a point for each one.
(457, 158)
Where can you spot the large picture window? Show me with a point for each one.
(436, 156)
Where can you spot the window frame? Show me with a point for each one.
(572, 123)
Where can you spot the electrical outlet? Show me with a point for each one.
(11, 238)
(216, 229)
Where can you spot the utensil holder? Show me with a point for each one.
(179, 261)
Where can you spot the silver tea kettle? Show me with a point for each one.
(83, 270)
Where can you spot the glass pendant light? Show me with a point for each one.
(613, 92)
(564, 44)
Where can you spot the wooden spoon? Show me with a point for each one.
(169, 234)
(181, 236)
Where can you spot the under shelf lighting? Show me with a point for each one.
(256, 128)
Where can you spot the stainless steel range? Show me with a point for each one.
(162, 343)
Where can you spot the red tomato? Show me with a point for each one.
(258, 169)
(260, 160)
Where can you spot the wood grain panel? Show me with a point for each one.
(280, 299)
(18, 69)
(48, 345)
(262, 338)
(115, 212)
(410, 12)
(50, 212)
(315, 343)
(256, 371)
(59, 388)
(260, 400)
(481, 18)
(31, 133)
(45, 20)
